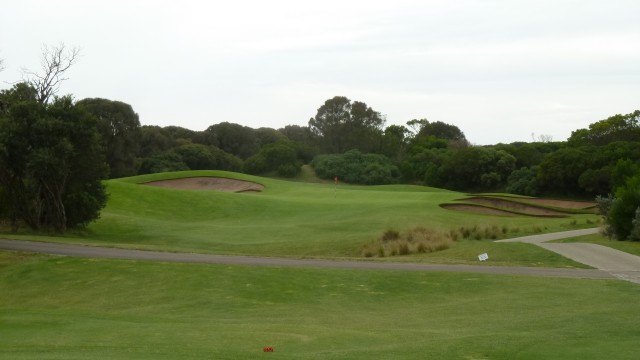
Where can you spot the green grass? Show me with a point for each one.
(73, 308)
(288, 219)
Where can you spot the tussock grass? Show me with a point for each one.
(477, 232)
(422, 240)
(419, 240)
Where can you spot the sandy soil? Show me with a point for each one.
(208, 183)
(476, 209)
(562, 203)
(510, 205)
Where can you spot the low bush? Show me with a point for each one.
(417, 240)
(280, 156)
(355, 167)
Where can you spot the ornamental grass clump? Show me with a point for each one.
(415, 241)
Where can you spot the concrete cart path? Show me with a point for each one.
(114, 253)
(618, 263)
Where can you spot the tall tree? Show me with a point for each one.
(55, 62)
(153, 140)
(394, 142)
(438, 130)
(267, 135)
(614, 128)
(236, 139)
(342, 125)
(119, 128)
(298, 133)
(51, 161)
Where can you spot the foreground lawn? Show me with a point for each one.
(70, 308)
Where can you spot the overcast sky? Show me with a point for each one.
(499, 70)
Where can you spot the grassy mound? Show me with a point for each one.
(498, 204)
(287, 218)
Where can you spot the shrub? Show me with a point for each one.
(163, 162)
(280, 157)
(523, 182)
(390, 235)
(288, 170)
(622, 215)
(635, 228)
(417, 240)
(356, 168)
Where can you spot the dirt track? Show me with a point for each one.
(112, 253)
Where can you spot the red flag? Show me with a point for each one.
(336, 180)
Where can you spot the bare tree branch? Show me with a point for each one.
(55, 63)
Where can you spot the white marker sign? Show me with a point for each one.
(483, 257)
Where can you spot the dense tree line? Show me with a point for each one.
(592, 162)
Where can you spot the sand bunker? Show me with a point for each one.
(208, 183)
(476, 209)
(513, 206)
(562, 203)
(494, 205)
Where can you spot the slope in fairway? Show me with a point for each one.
(71, 308)
(285, 219)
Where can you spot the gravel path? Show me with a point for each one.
(617, 263)
(113, 253)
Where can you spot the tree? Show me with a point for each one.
(394, 142)
(341, 125)
(432, 135)
(236, 139)
(523, 182)
(357, 168)
(196, 156)
(51, 161)
(267, 135)
(301, 134)
(55, 62)
(560, 171)
(426, 166)
(280, 157)
(476, 168)
(439, 130)
(614, 128)
(178, 134)
(622, 217)
(153, 140)
(119, 127)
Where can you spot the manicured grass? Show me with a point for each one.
(632, 247)
(73, 308)
(288, 219)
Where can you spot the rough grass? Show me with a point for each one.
(462, 245)
(72, 308)
(419, 240)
